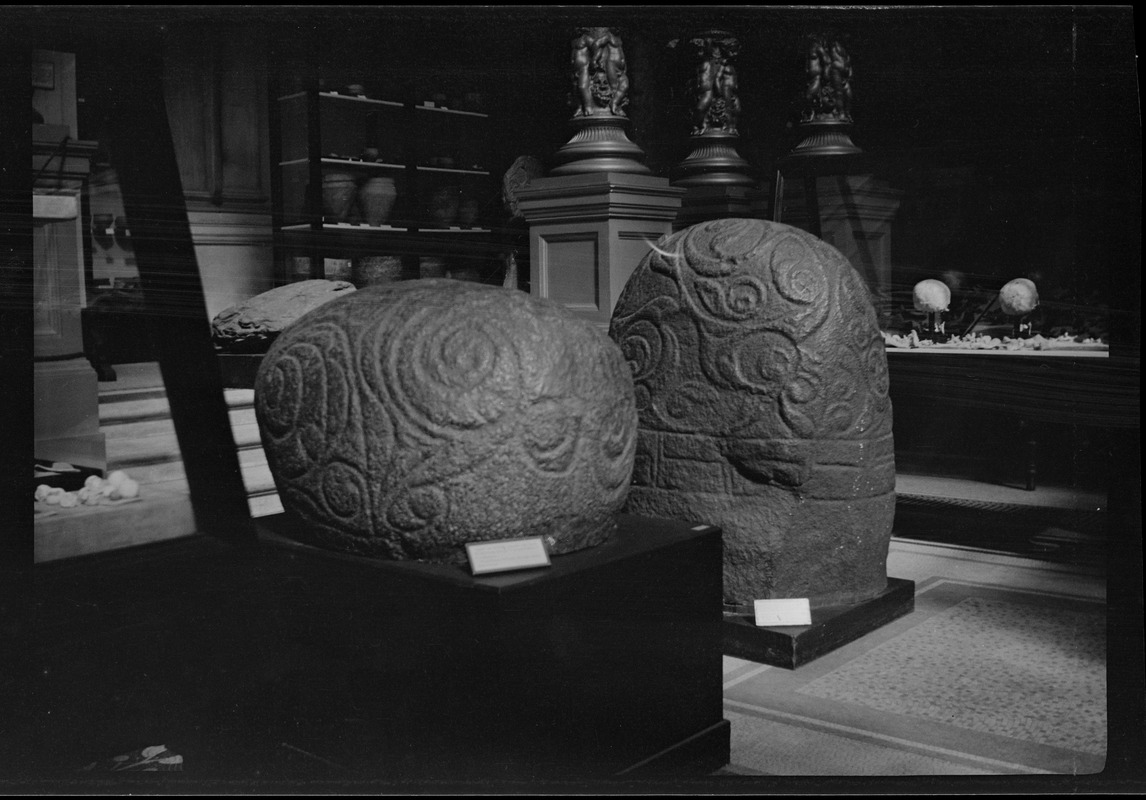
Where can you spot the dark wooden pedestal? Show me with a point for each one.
(831, 628)
(605, 664)
(239, 369)
(287, 665)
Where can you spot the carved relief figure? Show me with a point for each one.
(582, 72)
(840, 78)
(828, 92)
(717, 101)
(816, 67)
(600, 76)
(762, 392)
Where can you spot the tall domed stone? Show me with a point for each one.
(405, 420)
(762, 391)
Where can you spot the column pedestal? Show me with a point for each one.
(702, 203)
(588, 232)
(856, 214)
(65, 385)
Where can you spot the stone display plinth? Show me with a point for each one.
(606, 664)
(588, 232)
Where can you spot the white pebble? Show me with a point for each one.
(117, 477)
(53, 499)
(129, 488)
(93, 482)
(42, 491)
(69, 500)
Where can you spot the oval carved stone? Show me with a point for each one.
(252, 325)
(762, 389)
(405, 420)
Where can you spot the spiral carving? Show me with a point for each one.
(771, 417)
(717, 248)
(764, 362)
(410, 418)
(344, 490)
(643, 347)
(798, 278)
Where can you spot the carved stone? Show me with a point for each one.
(762, 389)
(406, 420)
(252, 325)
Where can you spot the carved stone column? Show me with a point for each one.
(714, 175)
(827, 120)
(600, 93)
(599, 211)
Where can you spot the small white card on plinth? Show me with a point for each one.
(504, 555)
(778, 613)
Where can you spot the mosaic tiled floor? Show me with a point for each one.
(978, 680)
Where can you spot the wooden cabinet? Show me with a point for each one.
(331, 148)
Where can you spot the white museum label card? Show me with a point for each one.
(507, 554)
(797, 611)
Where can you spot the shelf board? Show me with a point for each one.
(453, 230)
(454, 170)
(360, 99)
(292, 96)
(440, 110)
(363, 227)
(349, 162)
(347, 226)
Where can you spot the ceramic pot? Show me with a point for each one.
(371, 270)
(429, 267)
(468, 212)
(465, 274)
(376, 199)
(336, 269)
(444, 205)
(338, 192)
(102, 223)
(300, 268)
(473, 101)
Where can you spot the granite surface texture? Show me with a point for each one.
(404, 420)
(761, 385)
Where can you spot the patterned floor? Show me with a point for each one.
(999, 670)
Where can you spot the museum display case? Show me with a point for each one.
(382, 181)
(260, 656)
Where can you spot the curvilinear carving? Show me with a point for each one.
(762, 388)
(409, 419)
